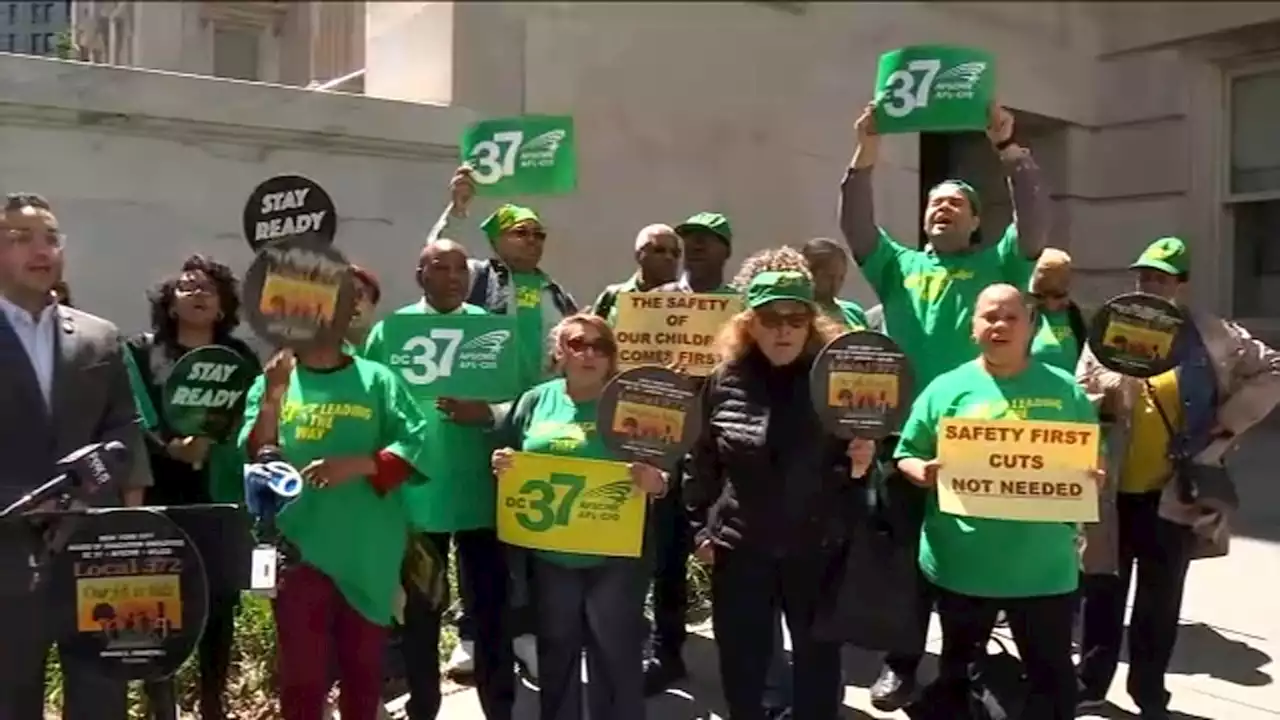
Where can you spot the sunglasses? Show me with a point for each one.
(774, 320)
(581, 345)
(525, 233)
(1050, 295)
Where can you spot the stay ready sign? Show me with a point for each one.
(570, 505)
(528, 155)
(468, 357)
(934, 88)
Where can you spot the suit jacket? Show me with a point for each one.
(91, 402)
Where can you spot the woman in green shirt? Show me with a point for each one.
(981, 566)
(351, 428)
(583, 602)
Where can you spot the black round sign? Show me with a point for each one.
(205, 392)
(288, 206)
(861, 385)
(1138, 335)
(130, 593)
(299, 292)
(650, 415)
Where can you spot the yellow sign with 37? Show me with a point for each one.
(570, 505)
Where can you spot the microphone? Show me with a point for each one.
(269, 481)
(83, 472)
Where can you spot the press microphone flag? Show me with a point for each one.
(82, 472)
(268, 481)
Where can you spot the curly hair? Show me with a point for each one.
(734, 340)
(165, 325)
(584, 319)
(774, 259)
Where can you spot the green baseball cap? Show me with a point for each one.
(779, 285)
(712, 222)
(1168, 255)
(505, 218)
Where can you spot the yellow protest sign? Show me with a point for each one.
(572, 505)
(1018, 470)
(665, 328)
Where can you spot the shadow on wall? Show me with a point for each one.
(1252, 466)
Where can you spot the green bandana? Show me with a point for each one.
(969, 192)
(1168, 255)
(779, 285)
(505, 218)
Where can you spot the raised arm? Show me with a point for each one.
(1026, 190)
(462, 190)
(856, 206)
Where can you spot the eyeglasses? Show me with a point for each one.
(581, 345)
(48, 238)
(525, 233)
(774, 320)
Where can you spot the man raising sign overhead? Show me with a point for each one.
(928, 295)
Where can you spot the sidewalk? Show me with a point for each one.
(1222, 669)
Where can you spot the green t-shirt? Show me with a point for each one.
(983, 557)
(928, 298)
(847, 313)
(347, 531)
(530, 343)
(1054, 343)
(546, 420)
(461, 494)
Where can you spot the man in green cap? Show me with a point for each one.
(708, 242)
(1179, 424)
(928, 295)
(510, 282)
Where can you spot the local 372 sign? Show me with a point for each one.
(469, 357)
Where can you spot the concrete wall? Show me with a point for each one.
(145, 167)
(743, 107)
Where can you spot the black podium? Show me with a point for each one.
(128, 587)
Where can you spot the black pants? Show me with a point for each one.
(1162, 552)
(598, 610)
(670, 584)
(214, 657)
(747, 588)
(483, 574)
(906, 664)
(1041, 627)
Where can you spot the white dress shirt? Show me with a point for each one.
(37, 338)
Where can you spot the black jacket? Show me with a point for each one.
(764, 474)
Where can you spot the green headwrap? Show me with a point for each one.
(505, 218)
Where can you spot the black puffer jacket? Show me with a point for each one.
(764, 474)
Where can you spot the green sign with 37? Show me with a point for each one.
(934, 88)
(528, 155)
(469, 357)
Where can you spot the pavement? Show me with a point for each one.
(1223, 666)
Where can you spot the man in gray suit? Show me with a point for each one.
(64, 385)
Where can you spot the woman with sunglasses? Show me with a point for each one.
(769, 491)
(1062, 333)
(197, 306)
(584, 602)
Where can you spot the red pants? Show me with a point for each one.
(313, 624)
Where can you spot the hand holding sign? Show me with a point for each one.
(648, 479)
(862, 453)
(462, 188)
(1000, 130)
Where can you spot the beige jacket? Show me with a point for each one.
(1248, 374)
